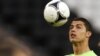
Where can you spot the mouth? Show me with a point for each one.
(73, 35)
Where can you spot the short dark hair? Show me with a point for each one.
(86, 23)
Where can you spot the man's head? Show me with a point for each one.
(80, 30)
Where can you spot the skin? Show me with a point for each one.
(79, 37)
(19, 52)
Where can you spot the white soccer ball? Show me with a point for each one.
(56, 13)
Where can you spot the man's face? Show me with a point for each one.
(77, 32)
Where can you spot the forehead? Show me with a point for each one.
(77, 23)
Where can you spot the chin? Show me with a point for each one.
(74, 41)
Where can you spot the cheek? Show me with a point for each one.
(69, 33)
(81, 33)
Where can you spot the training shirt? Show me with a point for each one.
(89, 53)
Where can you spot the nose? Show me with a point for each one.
(73, 29)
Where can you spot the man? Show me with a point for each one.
(79, 34)
(10, 45)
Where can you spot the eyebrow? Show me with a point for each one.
(77, 24)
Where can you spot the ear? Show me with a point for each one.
(88, 34)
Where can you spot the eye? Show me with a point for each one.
(79, 27)
(71, 27)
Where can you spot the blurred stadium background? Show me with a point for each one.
(25, 19)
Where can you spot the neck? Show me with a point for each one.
(80, 48)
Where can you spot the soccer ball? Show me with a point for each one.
(56, 13)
